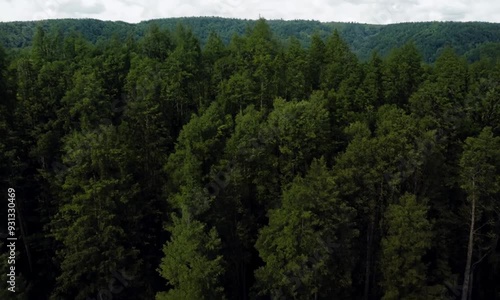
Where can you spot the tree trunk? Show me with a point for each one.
(470, 285)
(470, 248)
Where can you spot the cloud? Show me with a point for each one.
(78, 7)
(364, 11)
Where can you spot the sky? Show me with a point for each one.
(361, 11)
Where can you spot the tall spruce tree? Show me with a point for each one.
(403, 247)
(307, 243)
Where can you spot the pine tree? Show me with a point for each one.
(403, 247)
(480, 178)
(370, 94)
(96, 190)
(157, 44)
(263, 50)
(451, 74)
(191, 263)
(306, 244)
(403, 74)
(340, 63)
(296, 72)
(375, 169)
(214, 56)
(316, 60)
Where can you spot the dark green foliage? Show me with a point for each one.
(96, 191)
(408, 237)
(341, 63)
(157, 44)
(480, 179)
(192, 273)
(191, 264)
(403, 74)
(306, 245)
(430, 37)
(235, 159)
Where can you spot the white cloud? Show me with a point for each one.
(365, 11)
(78, 7)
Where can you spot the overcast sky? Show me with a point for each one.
(363, 11)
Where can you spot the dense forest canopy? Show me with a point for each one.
(230, 159)
(430, 37)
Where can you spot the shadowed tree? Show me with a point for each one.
(306, 245)
(403, 247)
(480, 178)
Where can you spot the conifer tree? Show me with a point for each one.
(403, 247)
(307, 242)
(480, 178)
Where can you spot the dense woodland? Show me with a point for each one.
(472, 39)
(256, 169)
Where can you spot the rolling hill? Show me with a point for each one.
(471, 38)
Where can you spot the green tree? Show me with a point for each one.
(244, 182)
(86, 102)
(403, 74)
(237, 92)
(306, 244)
(297, 131)
(480, 178)
(112, 65)
(203, 139)
(75, 48)
(263, 49)
(370, 94)
(157, 43)
(340, 63)
(214, 55)
(316, 60)
(296, 72)
(374, 171)
(41, 46)
(88, 225)
(403, 247)
(8, 105)
(183, 86)
(188, 265)
(451, 74)
(483, 101)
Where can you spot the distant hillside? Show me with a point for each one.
(430, 37)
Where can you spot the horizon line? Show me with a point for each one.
(246, 19)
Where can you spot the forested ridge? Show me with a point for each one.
(152, 167)
(472, 39)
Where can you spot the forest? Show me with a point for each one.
(472, 39)
(160, 166)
